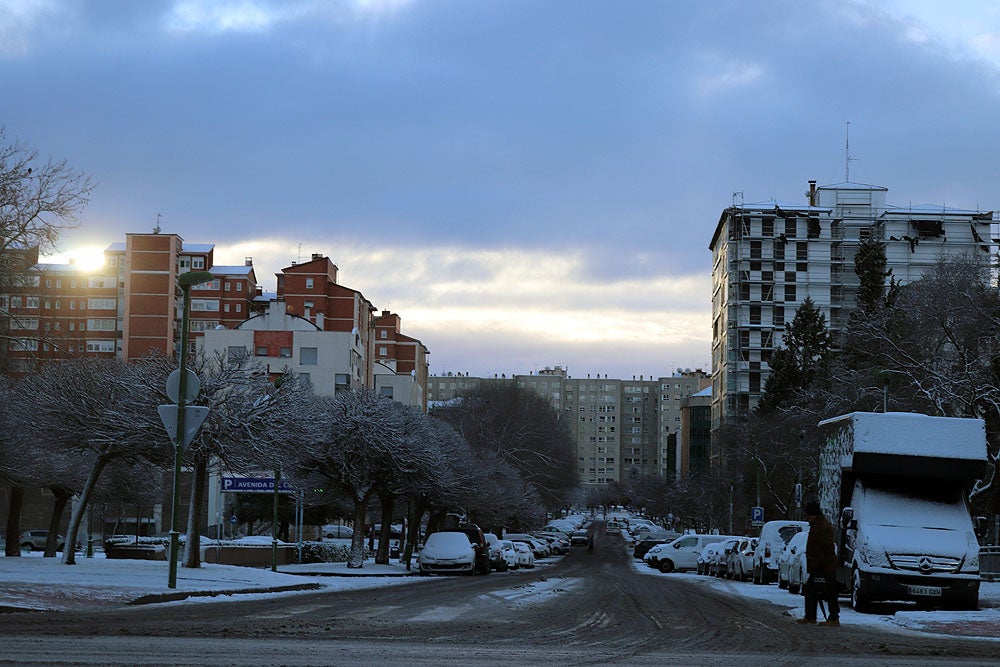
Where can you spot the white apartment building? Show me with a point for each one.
(768, 257)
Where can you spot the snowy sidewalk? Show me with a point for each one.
(30, 582)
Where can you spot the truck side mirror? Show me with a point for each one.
(981, 526)
(847, 517)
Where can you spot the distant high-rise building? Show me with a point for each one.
(620, 427)
(768, 257)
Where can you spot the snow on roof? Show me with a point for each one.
(910, 434)
(197, 247)
(115, 247)
(60, 267)
(238, 270)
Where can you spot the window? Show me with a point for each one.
(198, 263)
(72, 305)
(754, 314)
(210, 286)
(102, 282)
(31, 302)
(58, 284)
(309, 283)
(29, 344)
(72, 326)
(225, 286)
(48, 304)
(790, 293)
(755, 249)
(100, 304)
(48, 283)
(72, 283)
(307, 356)
(100, 346)
(342, 379)
(56, 326)
(239, 308)
(204, 325)
(383, 351)
(204, 305)
(802, 250)
(237, 353)
(385, 392)
(383, 334)
(102, 324)
(767, 227)
(790, 227)
(29, 324)
(225, 308)
(285, 352)
(239, 285)
(261, 351)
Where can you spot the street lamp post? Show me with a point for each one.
(185, 281)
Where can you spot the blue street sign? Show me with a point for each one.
(233, 520)
(253, 485)
(757, 515)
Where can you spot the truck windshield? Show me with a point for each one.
(915, 503)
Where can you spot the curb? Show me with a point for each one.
(183, 595)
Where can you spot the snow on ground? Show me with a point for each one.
(30, 582)
(984, 623)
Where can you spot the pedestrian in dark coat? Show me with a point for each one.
(821, 564)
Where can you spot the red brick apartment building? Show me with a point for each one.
(130, 307)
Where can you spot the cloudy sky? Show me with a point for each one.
(527, 183)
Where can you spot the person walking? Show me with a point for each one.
(821, 565)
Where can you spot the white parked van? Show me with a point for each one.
(774, 535)
(614, 527)
(682, 553)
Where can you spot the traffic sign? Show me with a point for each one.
(194, 417)
(254, 485)
(174, 386)
(757, 516)
(233, 520)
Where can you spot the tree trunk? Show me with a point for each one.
(13, 536)
(62, 497)
(357, 558)
(192, 540)
(69, 555)
(434, 521)
(413, 529)
(388, 501)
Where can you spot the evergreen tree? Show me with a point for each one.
(801, 361)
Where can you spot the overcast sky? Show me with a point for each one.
(526, 183)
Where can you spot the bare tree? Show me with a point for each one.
(522, 428)
(38, 201)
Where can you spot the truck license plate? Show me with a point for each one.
(933, 591)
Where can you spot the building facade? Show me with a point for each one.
(768, 257)
(621, 428)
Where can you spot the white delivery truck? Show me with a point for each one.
(895, 486)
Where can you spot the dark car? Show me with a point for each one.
(479, 545)
(579, 538)
(34, 540)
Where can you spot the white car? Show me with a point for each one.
(796, 566)
(447, 552)
(705, 558)
(773, 538)
(509, 554)
(787, 555)
(741, 559)
(524, 556)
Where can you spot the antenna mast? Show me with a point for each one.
(847, 153)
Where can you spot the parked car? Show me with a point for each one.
(795, 565)
(705, 556)
(650, 540)
(558, 545)
(525, 558)
(479, 545)
(497, 560)
(34, 540)
(509, 554)
(447, 552)
(614, 527)
(335, 532)
(720, 563)
(578, 538)
(741, 559)
(682, 553)
(773, 537)
(539, 548)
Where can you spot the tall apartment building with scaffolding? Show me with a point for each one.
(768, 257)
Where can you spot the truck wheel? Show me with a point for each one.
(859, 598)
(666, 566)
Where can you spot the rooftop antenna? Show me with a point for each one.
(847, 153)
(156, 229)
(299, 259)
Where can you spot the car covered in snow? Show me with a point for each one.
(447, 552)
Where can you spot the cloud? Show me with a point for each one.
(20, 20)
